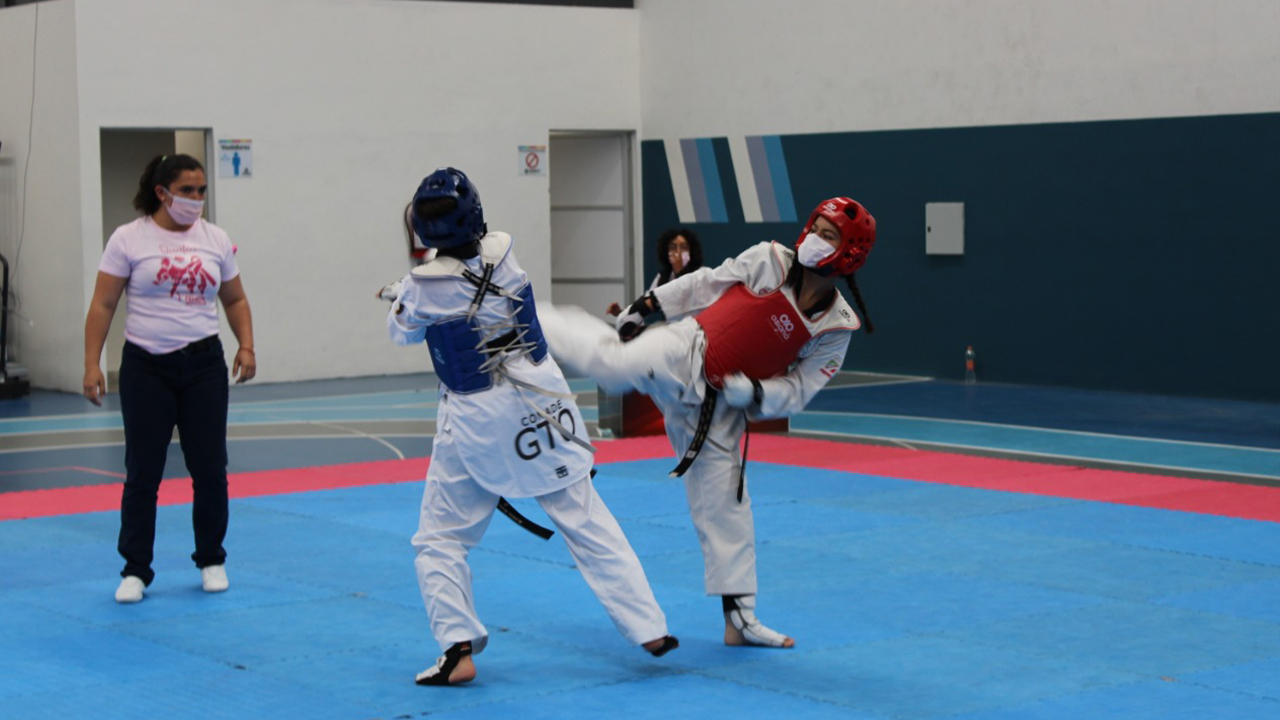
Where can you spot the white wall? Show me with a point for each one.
(42, 175)
(349, 103)
(348, 110)
(726, 67)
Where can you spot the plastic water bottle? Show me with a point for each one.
(970, 377)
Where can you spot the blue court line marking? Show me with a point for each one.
(262, 417)
(331, 428)
(236, 416)
(1172, 455)
(375, 403)
(392, 405)
(390, 396)
(61, 423)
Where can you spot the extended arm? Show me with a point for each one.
(756, 267)
(406, 321)
(788, 394)
(236, 305)
(97, 322)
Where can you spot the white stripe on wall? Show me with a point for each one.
(746, 179)
(679, 180)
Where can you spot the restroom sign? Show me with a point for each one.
(532, 160)
(235, 158)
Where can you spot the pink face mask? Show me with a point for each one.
(184, 211)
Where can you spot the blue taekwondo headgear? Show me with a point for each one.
(465, 224)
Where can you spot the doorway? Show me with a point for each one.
(593, 248)
(124, 153)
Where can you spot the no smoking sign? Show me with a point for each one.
(533, 160)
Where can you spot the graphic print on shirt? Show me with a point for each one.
(190, 279)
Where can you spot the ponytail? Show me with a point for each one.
(862, 307)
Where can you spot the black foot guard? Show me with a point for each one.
(669, 643)
(439, 675)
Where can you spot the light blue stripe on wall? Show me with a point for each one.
(781, 180)
(763, 180)
(697, 187)
(711, 176)
(679, 180)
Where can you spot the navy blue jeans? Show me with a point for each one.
(186, 389)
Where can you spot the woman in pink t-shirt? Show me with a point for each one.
(174, 266)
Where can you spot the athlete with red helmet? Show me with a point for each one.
(754, 338)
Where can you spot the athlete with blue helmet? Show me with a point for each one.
(506, 425)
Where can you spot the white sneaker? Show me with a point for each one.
(130, 590)
(214, 578)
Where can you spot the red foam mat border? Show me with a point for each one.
(1155, 491)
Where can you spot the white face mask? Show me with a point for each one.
(813, 250)
(184, 211)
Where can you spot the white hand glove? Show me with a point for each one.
(738, 390)
(390, 291)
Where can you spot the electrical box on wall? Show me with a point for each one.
(944, 228)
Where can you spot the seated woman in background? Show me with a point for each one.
(678, 253)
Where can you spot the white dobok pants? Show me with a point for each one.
(455, 513)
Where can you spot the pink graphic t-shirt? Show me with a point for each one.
(174, 278)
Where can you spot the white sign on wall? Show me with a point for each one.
(235, 158)
(533, 160)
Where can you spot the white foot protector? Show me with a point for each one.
(130, 590)
(753, 632)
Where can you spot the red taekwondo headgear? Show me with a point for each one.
(857, 235)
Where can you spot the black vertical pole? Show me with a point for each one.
(4, 322)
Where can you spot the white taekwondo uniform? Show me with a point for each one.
(737, 317)
(493, 439)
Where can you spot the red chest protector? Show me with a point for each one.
(756, 335)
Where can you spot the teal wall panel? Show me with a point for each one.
(1126, 255)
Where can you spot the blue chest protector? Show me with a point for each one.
(466, 355)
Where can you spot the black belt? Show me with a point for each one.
(699, 434)
(700, 437)
(200, 346)
(509, 510)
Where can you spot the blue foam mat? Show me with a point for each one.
(907, 599)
